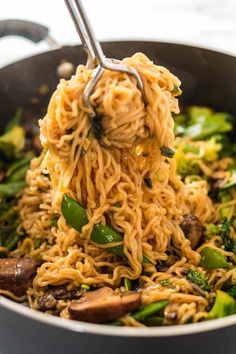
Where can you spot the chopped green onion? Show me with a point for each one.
(148, 182)
(167, 152)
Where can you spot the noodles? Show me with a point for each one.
(114, 166)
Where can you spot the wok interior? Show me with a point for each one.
(197, 76)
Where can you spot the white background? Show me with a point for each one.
(210, 23)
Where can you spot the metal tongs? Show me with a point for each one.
(96, 58)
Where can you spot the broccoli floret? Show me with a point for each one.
(199, 279)
(224, 232)
(211, 230)
(232, 291)
(188, 167)
(211, 150)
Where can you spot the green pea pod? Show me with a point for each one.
(75, 215)
(73, 212)
(18, 164)
(12, 241)
(149, 310)
(224, 305)
(18, 175)
(11, 189)
(103, 234)
(212, 259)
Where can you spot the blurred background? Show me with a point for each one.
(207, 23)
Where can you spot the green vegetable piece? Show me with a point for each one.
(12, 241)
(224, 232)
(54, 221)
(38, 242)
(149, 310)
(18, 164)
(15, 136)
(224, 305)
(127, 284)
(74, 214)
(212, 259)
(85, 287)
(103, 234)
(199, 279)
(15, 120)
(166, 151)
(11, 189)
(19, 175)
(211, 230)
(204, 126)
(191, 148)
(165, 282)
(148, 182)
(153, 321)
(176, 91)
(232, 291)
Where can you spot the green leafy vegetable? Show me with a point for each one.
(199, 279)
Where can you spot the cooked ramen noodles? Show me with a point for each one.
(129, 224)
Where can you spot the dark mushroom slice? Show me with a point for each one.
(48, 301)
(103, 305)
(16, 274)
(192, 229)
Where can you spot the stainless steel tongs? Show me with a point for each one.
(96, 58)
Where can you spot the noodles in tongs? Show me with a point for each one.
(96, 58)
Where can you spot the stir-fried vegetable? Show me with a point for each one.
(149, 310)
(212, 259)
(74, 213)
(201, 122)
(224, 305)
(199, 279)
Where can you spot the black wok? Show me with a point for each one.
(209, 78)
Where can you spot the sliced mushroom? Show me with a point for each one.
(50, 298)
(103, 305)
(16, 274)
(192, 229)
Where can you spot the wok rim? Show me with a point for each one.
(105, 330)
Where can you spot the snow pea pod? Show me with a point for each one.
(103, 234)
(11, 189)
(212, 259)
(149, 310)
(75, 215)
(73, 212)
(18, 175)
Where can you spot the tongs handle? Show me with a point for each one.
(85, 31)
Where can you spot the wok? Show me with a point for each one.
(208, 78)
